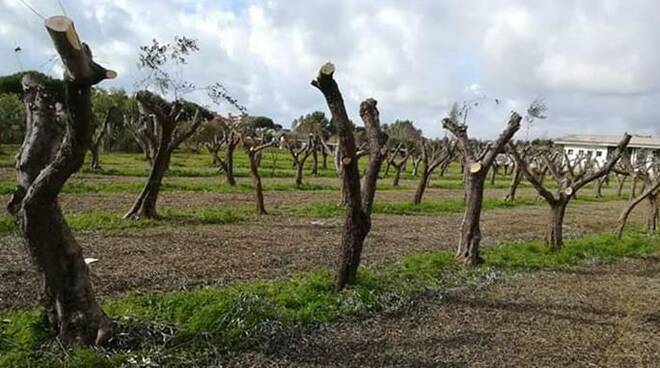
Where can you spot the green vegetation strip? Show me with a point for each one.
(447, 205)
(106, 221)
(243, 315)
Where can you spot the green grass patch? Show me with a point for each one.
(100, 221)
(586, 250)
(242, 315)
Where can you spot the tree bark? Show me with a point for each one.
(42, 169)
(358, 209)
(252, 153)
(470, 236)
(421, 186)
(652, 215)
(475, 171)
(515, 182)
(651, 194)
(96, 141)
(166, 117)
(554, 236)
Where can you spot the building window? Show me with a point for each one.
(599, 153)
(570, 151)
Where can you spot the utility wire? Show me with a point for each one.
(62, 7)
(32, 9)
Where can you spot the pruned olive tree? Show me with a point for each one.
(476, 165)
(44, 163)
(398, 159)
(649, 174)
(254, 141)
(99, 133)
(169, 130)
(223, 143)
(568, 183)
(433, 153)
(359, 198)
(300, 152)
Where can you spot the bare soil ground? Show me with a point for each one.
(604, 316)
(169, 258)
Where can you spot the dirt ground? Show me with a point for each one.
(605, 316)
(170, 258)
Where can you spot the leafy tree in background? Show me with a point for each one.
(12, 118)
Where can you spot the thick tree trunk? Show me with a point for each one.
(421, 186)
(555, 233)
(470, 233)
(43, 169)
(358, 209)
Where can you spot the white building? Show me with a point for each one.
(600, 147)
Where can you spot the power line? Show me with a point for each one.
(62, 7)
(32, 9)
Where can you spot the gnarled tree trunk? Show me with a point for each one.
(554, 235)
(165, 116)
(470, 233)
(44, 164)
(358, 209)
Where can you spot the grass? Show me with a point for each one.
(106, 221)
(102, 221)
(243, 315)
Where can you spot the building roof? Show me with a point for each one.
(637, 141)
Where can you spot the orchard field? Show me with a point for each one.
(209, 244)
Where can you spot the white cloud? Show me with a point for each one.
(595, 62)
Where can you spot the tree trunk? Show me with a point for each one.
(633, 190)
(493, 170)
(515, 182)
(415, 166)
(315, 161)
(358, 209)
(397, 175)
(145, 204)
(652, 215)
(95, 164)
(324, 154)
(387, 167)
(67, 293)
(470, 236)
(299, 173)
(444, 167)
(555, 233)
(256, 180)
(229, 164)
(421, 186)
(622, 181)
(598, 187)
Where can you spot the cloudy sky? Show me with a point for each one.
(596, 63)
